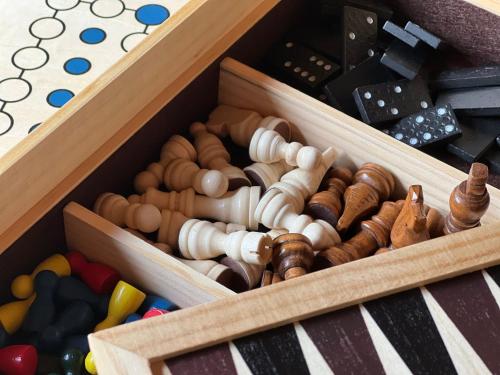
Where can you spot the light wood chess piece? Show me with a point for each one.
(202, 240)
(411, 225)
(372, 184)
(240, 124)
(265, 175)
(268, 146)
(374, 234)
(468, 201)
(293, 255)
(181, 174)
(115, 208)
(213, 155)
(233, 207)
(276, 211)
(251, 274)
(177, 147)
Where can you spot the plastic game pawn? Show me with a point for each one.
(202, 240)
(43, 309)
(71, 361)
(293, 255)
(411, 225)
(468, 201)
(240, 124)
(154, 311)
(4, 337)
(22, 286)
(374, 234)
(264, 175)
(71, 289)
(176, 147)
(212, 154)
(100, 278)
(12, 314)
(158, 302)
(118, 210)
(268, 146)
(181, 174)
(372, 184)
(18, 360)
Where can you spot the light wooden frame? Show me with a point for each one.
(142, 346)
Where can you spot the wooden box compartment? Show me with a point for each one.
(318, 125)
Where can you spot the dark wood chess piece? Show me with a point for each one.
(435, 222)
(374, 234)
(411, 225)
(293, 255)
(269, 278)
(372, 184)
(468, 201)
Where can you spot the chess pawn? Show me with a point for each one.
(70, 289)
(264, 175)
(240, 124)
(468, 201)
(71, 361)
(211, 269)
(273, 233)
(372, 184)
(22, 286)
(268, 146)
(342, 173)
(176, 147)
(233, 207)
(435, 222)
(411, 225)
(117, 209)
(170, 227)
(293, 255)
(327, 205)
(251, 274)
(269, 278)
(43, 309)
(276, 210)
(12, 314)
(18, 360)
(374, 234)
(213, 155)
(100, 278)
(202, 240)
(229, 227)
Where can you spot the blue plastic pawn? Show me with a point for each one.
(132, 318)
(153, 301)
(71, 289)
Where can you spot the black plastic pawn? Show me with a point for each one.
(80, 342)
(43, 310)
(76, 318)
(71, 289)
(71, 362)
(4, 337)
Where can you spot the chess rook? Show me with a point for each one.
(468, 201)
(181, 174)
(202, 240)
(293, 255)
(374, 234)
(372, 184)
(411, 225)
(117, 209)
(264, 175)
(213, 155)
(250, 274)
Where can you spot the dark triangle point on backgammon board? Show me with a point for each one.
(214, 360)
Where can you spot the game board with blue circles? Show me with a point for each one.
(51, 49)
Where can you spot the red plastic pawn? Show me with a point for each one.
(154, 312)
(99, 277)
(18, 360)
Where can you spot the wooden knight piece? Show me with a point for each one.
(213, 155)
(411, 225)
(181, 174)
(372, 184)
(202, 240)
(293, 255)
(374, 234)
(115, 208)
(468, 201)
(276, 211)
(265, 175)
(240, 124)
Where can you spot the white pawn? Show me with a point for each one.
(233, 207)
(250, 273)
(300, 184)
(273, 233)
(176, 147)
(268, 146)
(275, 210)
(181, 174)
(213, 155)
(240, 124)
(115, 208)
(229, 227)
(265, 175)
(202, 240)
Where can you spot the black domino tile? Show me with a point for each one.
(319, 38)
(492, 158)
(407, 323)
(401, 34)
(424, 35)
(467, 78)
(334, 7)
(403, 59)
(482, 101)
(276, 351)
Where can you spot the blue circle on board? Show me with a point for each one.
(152, 14)
(77, 65)
(59, 97)
(92, 35)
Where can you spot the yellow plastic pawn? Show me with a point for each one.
(12, 314)
(90, 364)
(22, 286)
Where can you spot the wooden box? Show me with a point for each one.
(126, 115)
